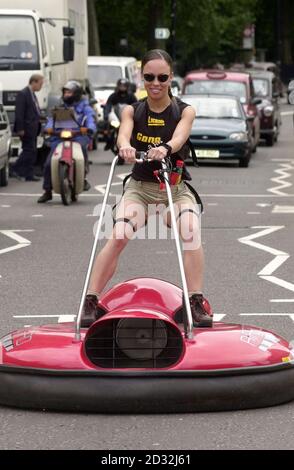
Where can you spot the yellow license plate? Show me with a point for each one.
(207, 153)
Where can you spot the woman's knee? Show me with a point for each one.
(190, 232)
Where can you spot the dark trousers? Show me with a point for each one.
(24, 165)
(84, 141)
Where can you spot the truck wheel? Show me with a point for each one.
(65, 184)
(4, 174)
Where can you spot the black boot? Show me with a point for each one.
(201, 318)
(87, 185)
(91, 311)
(47, 196)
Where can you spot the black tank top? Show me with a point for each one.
(150, 130)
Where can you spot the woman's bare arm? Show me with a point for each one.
(180, 136)
(183, 129)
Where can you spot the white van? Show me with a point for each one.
(103, 73)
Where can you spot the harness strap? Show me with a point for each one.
(184, 211)
(126, 221)
(196, 195)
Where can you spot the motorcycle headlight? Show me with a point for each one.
(268, 111)
(241, 136)
(115, 123)
(65, 134)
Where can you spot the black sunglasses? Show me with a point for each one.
(150, 77)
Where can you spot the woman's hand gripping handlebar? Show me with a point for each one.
(131, 155)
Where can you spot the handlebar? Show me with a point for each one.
(142, 157)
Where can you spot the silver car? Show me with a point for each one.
(5, 141)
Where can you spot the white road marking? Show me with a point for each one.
(287, 113)
(101, 187)
(66, 318)
(37, 215)
(218, 316)
(283, 174)
(282, 300)
(212, 203)
(282, 160)
(21, 241)
(61, 318)
(36, 316)
(268, 314)
(273, 265)
(5, 206)
(266, 231)
(283, 210)
(123, 175)
(279, 282)
(39, 194)
(253, 213)
(248, 195)
(55, 203)
(262, 204)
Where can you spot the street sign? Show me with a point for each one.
(162, 33)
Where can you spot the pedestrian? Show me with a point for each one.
(27, 126)
(157, 132)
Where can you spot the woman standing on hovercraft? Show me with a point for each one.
(155, 130)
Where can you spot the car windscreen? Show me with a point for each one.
(18, 43)
(222, 87)
(215, 108)
(261, 87)
(102, 76)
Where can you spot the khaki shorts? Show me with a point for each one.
(146, 193)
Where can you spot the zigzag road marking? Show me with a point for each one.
(279, 256)
(101, 187)
(283, 174)
(21, 241)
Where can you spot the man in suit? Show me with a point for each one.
(27, 127)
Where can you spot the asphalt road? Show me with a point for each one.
(43, 272)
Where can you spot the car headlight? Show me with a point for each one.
(115, 124)
(241, 136)
(268, 111)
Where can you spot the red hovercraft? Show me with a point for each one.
(141, 357)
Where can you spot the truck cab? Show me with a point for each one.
(39, 41)
(23, 51)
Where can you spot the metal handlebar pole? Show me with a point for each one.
(107, 190)
(189, 332)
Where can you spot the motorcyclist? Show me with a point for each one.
(121, 95)
(72, 97)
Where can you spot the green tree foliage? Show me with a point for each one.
(211, 30)
(207, 31)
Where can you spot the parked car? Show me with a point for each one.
(5, 142)
(266, 87)
(229, 83)
(270, 67)
(221, 130)
(290, 92)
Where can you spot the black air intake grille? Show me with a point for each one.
(134, 343)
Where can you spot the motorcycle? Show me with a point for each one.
(114, 119)
(68, 161)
